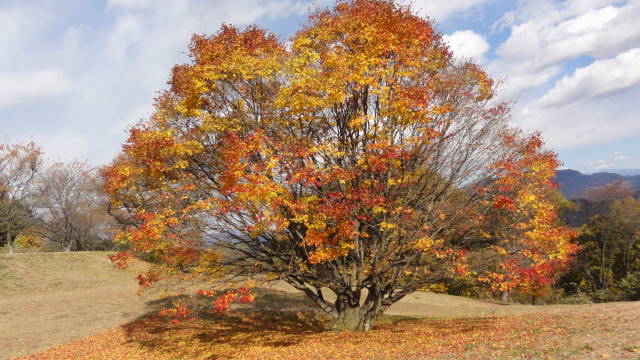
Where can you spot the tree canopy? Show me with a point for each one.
(359, 158)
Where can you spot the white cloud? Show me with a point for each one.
(619, 157)
(127, 31)
(559, 36)
(12, 22)
(599, 165)
(134, 116)
(583, 122)
(443, 9)
(144, 44)
(25, 76)
(545, 34)
(600, 78)
(19, 88)
(19, 24)
(105, 76)
(516, 80)
(468, 44)
(612, 162)
(65, 146)
(129, 3)
(574, 107)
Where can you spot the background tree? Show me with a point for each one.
(625, 216)
(347, 162)
(21, 220)
(523, 226)
(71, 208)
(19, 166)
(606, 193)
(594, 201)
(608, 264)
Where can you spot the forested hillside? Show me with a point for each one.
(573, 183)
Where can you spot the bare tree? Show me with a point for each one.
(71, 207)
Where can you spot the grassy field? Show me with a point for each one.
(52, 298)
(87, 309)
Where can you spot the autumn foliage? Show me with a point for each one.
(361, 158)
(533, 245)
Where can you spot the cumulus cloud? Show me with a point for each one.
(600, 78)
(104, 72)
(583, 122)
(22, 77)
(546, 34)
(564, 36)
(602, 164)
(468, 44)
(444, 9)
(103, 77)
(573, 107)
(19, 88)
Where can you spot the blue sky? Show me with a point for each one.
(74, 74)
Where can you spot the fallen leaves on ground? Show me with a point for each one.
(583, 332)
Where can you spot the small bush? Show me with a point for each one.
(575, 299)
(630, 286)
(28, 242)
(601, 296)
(464, 287)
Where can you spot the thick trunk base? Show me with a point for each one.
(353, 319)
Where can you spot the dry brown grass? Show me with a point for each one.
(578, 332)
(48, 299)
(52, 298)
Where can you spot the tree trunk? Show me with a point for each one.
(9, 244)
(67, 243)
(353, 316)
(351, 310)
(354, 319)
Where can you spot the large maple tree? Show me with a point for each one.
(357, 162)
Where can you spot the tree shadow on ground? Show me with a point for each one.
(276, 322)
(212, 336)
(275, 319)
(266, 300)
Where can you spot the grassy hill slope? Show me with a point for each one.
(48, 299)
(52, 298)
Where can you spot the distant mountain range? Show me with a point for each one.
(624, 172)
(573, 183)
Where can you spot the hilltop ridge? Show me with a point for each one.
(573, 183)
